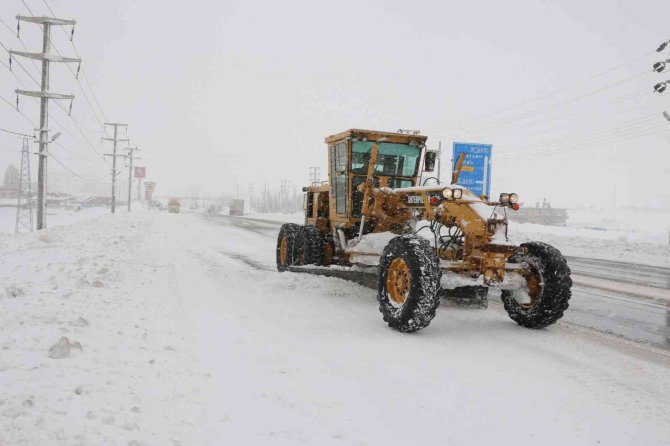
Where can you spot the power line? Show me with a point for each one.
(594, 117)
(590, 132)
(74, 47)
(19, 111)
(75, 173)
(592, 143)
(27, 7)
(20, 64)
(76, 79)
(14, 33)
(550, 93)
(16, 133)
(517, 117)
(76, 123)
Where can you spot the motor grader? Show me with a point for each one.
(378, 215)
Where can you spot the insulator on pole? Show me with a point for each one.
(69, 113)
(10, 61)
(17, 102)
(18, 29)
(662, 47)
(72, 33)
(659, 67)
(78, 69)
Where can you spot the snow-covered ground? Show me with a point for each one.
(189, 336)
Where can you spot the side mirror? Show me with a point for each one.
(429, 164)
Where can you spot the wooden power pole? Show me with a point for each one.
(114, 156)
(131, 151)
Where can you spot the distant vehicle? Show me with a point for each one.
(541, 214)
(174, 206)
(237, 207)
(96, 202)
(158, 205)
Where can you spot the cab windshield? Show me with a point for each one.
(395, 160)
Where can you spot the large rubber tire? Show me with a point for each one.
(423, 268)
(310, 246)
(555, 294)
(288, 237)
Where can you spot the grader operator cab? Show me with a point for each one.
(419, 241)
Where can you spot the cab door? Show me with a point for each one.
(338, 180)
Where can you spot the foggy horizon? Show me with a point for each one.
(216, 94)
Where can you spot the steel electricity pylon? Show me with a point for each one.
(24, 205)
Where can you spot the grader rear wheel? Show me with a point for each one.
(310, 246)
(408, 280)
(287, 250)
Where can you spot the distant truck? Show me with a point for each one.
(541, 214)
(174, 206)
(237, 207)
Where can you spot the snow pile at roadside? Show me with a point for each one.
(90, 350)
(589, 243)
(55, 216)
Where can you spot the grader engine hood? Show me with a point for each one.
(476, 230)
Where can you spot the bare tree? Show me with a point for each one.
(11, 177)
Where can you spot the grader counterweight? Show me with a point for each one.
(419, 241)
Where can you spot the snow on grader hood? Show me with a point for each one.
(373, 216)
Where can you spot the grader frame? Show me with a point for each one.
(387, 209)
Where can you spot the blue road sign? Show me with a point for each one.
(476, 170)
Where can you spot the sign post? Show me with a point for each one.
(476, 170)
(140, 173)
(149, 187)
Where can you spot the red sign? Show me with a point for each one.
(140, 172)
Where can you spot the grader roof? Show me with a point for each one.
(375, 135)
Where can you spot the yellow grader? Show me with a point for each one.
(418, 242)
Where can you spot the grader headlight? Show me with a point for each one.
(513, 198)
(452, 194)
(504, 198)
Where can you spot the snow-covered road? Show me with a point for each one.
(626, 309)
(192, 337)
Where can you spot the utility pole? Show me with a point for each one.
(265, 197)
(24, 205)
(116, 139)
(44, 94)
(130, 150)
(251, 196)
(283, 194)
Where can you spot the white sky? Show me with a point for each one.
(218, 93)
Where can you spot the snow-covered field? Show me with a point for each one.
(55, 217)
(189, 336)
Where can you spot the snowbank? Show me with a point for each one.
(103, 283)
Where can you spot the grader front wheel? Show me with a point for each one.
(548, 292)
(408, 280)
